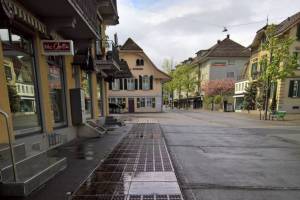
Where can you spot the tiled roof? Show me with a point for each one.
(124, 70)
(131, 45)
(287, 23)
(225, 48)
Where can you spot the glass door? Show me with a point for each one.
(57, 92)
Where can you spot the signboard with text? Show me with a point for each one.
(57, 47)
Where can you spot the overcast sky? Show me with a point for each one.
(177, 29)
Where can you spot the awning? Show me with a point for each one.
(13, 10)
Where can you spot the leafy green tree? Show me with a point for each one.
(278, 62)
(250, 96)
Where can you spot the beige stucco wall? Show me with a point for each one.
(285, 102)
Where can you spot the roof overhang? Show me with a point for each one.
(108, 11)
(70, 18)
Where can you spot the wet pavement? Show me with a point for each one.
(139, 168)
(225, 156)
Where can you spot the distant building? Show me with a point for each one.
(224, 60)
(142, 92)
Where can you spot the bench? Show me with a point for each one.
(277, 114)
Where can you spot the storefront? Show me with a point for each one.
(56, 81)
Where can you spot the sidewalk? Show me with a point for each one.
(83, 155)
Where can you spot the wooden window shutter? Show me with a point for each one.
(298, 92)
(110, 85)
(136, 84)
(121, 84)
(151, 82)
(140, 82)
(291, 88)
(298, 32)
(125, 84)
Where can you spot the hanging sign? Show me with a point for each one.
(58, 47)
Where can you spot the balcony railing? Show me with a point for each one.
(88, 9)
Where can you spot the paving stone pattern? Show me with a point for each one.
(139, 168)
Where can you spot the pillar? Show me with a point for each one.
(42, 75)
(95, 109)
(70, 84)
(4, 103)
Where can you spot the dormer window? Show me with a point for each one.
(139, 62)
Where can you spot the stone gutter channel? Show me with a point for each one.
(139, 168)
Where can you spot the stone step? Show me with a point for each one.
(32, 172)
(5, 156)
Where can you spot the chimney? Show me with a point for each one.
(219, 41)
(228, 36)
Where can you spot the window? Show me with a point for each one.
(146, 82)
(20, 74)
(146, 102)
(116, 84)
(143, 102)
(231, 62)
(153, 102)
(130, 84)
(294, 89)
(230, 74)
(138, 102)
(139, 62)
(296, 54)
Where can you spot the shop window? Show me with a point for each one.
(56, 88)
(87, 87)
(20, 76)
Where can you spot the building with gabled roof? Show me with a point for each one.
(143, 91)
(224, 60)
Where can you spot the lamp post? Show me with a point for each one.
(10, 145)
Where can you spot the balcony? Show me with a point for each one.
(111, 61)
(240, 87)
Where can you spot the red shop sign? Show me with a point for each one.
(57, 47)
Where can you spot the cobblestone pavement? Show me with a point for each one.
(139, 168)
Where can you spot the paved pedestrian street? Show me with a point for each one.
(139, 168)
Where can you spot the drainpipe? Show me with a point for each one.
(10, 145)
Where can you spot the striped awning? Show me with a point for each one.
(14, 10)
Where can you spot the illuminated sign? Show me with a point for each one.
(58, 47)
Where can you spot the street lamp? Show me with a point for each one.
(10, 145)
